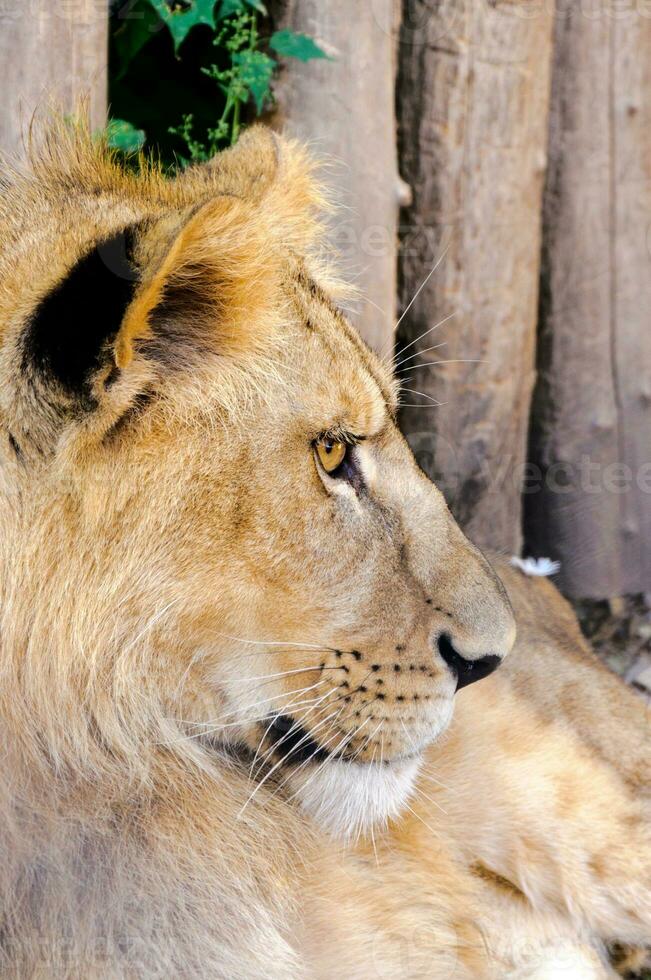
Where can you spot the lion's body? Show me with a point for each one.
(161, 582)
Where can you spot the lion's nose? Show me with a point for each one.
(466, 671)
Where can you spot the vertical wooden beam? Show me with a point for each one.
(51, 52)
(473, 100)
(345, 108)
(591, 433)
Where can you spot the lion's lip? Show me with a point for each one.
(293, 742)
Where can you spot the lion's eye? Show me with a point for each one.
(331, 454)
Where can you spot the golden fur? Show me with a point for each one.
(177, 572)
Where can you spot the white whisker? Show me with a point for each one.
(319, 768)
(420, 405)
(282, 673)
(280, 762)
(411, 343)
(418, 817)
(295, 772)
(422, 285)
(450, 360)
(301, 718)
(429, 397)
(419, 791)
(429, 777)
(276, 643)
(210, 727)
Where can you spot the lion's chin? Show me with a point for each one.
(349, 799)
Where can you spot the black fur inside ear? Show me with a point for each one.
(70, 330)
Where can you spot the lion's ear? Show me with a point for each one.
(161, 290)
(205, 275)
(273, 172)
(215, 286)
(246, 169)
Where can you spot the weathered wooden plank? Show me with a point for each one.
(345, 108)
(473, 98)
(591, 436)
(631, 236)
(50, 52)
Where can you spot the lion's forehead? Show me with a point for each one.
(331, 344)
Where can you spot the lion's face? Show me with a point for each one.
(273, 573)
(354, 585)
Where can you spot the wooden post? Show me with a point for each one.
(591, 436)
(51, 53)
(472, 108)
(345, 108)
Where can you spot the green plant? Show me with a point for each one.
(223, 64)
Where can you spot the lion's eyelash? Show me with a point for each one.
(338, 434)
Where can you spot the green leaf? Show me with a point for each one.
(180, 21)
(228, 8)
(132, 34)
(289, 44)
(255, 73)
(123, 136)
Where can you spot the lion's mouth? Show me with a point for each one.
(294, 743)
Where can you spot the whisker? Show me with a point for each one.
(443, 343)
(363, 747)
(338, 748)
(368, 772)
(210, 727)
(377, 860)
(419, 353)
(308, 734)
(408, 735)
(426, 775)
(450, 360)
(279, 763)
(300, 719)
(411, 343)
(422, 285)
(282, 673)
(424, 822)
(275, 697)
(319, 769)
(438, 806)
(420, 405)
(277, 643)
(429, 397)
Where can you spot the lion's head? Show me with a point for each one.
(215, 538)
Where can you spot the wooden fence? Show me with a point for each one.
(50, 50)
(514, 246)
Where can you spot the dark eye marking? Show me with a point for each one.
(350, 471)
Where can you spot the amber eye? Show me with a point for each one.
(331, 454)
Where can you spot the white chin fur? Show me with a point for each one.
(348, 799)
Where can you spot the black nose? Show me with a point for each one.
(466, 671)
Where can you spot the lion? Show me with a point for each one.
(240, 629)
